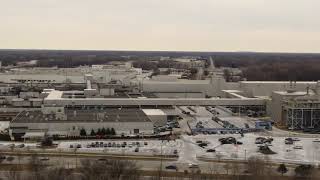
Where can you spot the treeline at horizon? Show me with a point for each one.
(255, 66)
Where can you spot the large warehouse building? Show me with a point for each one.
(125, 121)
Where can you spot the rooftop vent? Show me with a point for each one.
(291, 87)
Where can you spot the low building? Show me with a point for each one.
(125, 121)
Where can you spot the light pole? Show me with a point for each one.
(245, 155)
(160, 172)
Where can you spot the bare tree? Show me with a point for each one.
(219, 156)
(57, 174)
(256, 167)
(35, 166)
(13, 174)
(110, 170)
(227, 167)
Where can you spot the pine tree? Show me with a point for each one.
(103, 131)
(99, 132)
(113, 132)
(92, 133)
(282, 169)
(108, 132)
(83, 132)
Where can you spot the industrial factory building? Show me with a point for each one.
(65, 100)
(297, 110)
(125, 121)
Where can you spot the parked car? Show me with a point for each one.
(211, 150)
(193, 166)
(44, 159)
(2, 157)
(172, 167)
(175, 151)
(298, 147)
(20, 146)
(288, 141)
(202, 145)
(229, 140)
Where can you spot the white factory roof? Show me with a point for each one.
(170, 112)
(179, 81)
(278, 82)
(35, 99)
(153, 112)
(33, 134)
(17, 99)
(55, 95)
(294, 93)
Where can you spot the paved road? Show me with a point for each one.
(205, 167)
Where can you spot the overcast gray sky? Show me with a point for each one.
(190, 25)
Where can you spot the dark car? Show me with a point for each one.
(44, 159)
(211, 150)
(173, 167)
(288, 141)
(239, 143)
(229, 140)
(2, 157)
(203, 145)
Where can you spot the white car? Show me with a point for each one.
(193, 165)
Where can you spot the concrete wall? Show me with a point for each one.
(180, 95)
(156, 101)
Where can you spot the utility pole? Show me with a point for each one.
(245, 155)
(160, 170)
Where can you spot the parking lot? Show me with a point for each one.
(138, 147)
(302, 150)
